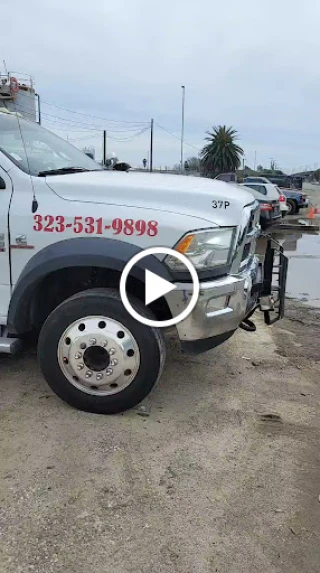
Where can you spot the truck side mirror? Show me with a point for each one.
(2, 183)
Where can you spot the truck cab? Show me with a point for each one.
(68, 228)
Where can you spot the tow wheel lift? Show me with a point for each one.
(272, 287)
(275, 267)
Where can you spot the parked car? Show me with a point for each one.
(256, 180)
(282, 181)
(282, 198)
(229, 177)
(287, 181)
(268, 197)
(296, 200)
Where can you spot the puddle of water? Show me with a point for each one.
(303, 251)
(304, 267)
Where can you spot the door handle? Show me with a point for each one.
(2, 183)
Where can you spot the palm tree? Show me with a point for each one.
(221, 154)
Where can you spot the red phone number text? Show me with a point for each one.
(91, 226)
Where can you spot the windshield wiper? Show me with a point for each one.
(63, 170)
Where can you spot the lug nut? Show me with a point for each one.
(88, 374)
(104, 343)
(78, 355)
(99, 376)
(114, 362)
(80, 366)
(112, 351)
(93, 341)
(83, 346)
(109, 371)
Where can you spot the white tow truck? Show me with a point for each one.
(67, 230)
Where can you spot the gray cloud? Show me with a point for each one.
(253, 65)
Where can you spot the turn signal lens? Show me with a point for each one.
(184, 244)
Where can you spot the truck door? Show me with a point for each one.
(5, 286)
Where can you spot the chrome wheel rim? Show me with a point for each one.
(98, 355)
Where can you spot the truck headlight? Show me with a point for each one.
(207, 249)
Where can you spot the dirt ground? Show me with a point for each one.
(219, 471)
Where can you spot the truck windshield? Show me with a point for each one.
(40, 150)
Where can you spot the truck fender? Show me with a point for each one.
(77, 252)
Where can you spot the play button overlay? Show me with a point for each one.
(157, 287)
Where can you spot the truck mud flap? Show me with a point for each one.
(272, 298)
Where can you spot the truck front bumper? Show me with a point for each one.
(222, 305)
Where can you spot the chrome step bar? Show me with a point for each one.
(9, 345)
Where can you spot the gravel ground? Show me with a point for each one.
(218, 471)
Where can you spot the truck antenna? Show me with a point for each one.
(34, 205)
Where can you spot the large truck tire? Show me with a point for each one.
(96, 357)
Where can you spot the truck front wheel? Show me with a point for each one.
(96, 357)
(293, 207)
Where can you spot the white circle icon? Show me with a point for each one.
(156, 286)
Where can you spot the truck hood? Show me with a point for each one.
(214, 201)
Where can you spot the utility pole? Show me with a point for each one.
(104, 156)
(182, 126)
(255, 161)
(151, 146)
(39, 109)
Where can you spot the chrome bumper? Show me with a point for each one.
(221, 306)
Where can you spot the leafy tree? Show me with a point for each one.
(193, 163)
(316, 175)
(260, 168)
(273, 165)
(221, 154)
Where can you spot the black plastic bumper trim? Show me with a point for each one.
(205, 344)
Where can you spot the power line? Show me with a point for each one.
(96, 128)
(94, 116)
(88, 115)
(58, 119)
(130, 138)
(95, 132)
(98, 133)
(112, 138)
(177, 137)
(65, 120)
(86, 137)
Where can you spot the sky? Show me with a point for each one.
(250, 65)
